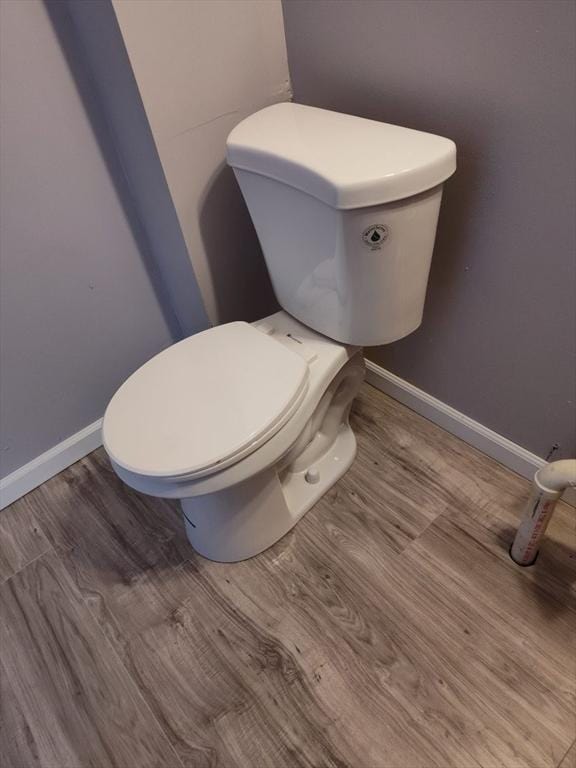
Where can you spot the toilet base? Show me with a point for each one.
(245, 519)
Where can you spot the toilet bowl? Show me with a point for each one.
(247, 424)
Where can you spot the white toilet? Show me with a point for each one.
(247, 424)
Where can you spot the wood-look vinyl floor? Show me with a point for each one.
(389, 629)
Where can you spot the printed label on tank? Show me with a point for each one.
(374, 235)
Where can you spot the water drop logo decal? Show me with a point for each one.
(375, 235)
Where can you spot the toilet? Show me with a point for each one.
(247, 423)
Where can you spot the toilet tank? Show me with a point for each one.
(346, 212)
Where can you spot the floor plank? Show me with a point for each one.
(18, 747)
(513, 649)
(419, 465)
(74, 703)
(229, 691)
(408, 632)
(389, 629)
(123, 549)
(21, 539)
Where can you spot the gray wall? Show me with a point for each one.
(498, 338)
(81, 303)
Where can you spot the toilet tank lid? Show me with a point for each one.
(345, 161)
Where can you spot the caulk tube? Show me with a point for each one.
(549, 484)
(536, 518)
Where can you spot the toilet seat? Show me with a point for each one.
(326, 361)
(204, 403)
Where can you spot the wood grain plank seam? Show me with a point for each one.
(410, 544)
(559, 765)
(29, 563)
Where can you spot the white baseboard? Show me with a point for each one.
(496, 446)
(48, 464)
